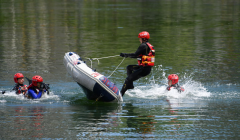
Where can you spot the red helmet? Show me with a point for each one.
(16, 76)
(174, 78)
(36, 79)
(144, 34)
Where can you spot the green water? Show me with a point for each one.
(198, 40)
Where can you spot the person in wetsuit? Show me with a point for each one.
(146, 57)
(19, 87)
(34, 89)
(173, 83)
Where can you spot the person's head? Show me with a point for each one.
(37, 81)
(172, 79)
(143, 36)
(19, 78)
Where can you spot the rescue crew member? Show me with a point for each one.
(173, 83)
(145, 55)
(34, 89)
(20, 88)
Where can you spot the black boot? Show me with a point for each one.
(124, 89)
(127, 85)
(131, 85)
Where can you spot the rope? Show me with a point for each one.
(116, 68)
(106, 57)
(100, 58)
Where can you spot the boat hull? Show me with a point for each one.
(95, 85)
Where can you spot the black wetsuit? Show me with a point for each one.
(135, 72)
(20, 88)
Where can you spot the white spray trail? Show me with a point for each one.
(156, 87)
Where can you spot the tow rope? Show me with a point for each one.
(116, 68)
(100, 58)
(106, 57)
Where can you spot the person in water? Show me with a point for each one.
(173, 83)
(20, 88)
(35, 89)
(145, 55)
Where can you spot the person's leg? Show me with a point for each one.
(131, 69)
(128, 84)
(125, 87)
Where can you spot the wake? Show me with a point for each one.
(13, 97)
(156, 88)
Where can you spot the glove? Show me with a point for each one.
(182, 89)
(123, 55)
(3, 91)
(168, 88)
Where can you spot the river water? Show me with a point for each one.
(198, 40)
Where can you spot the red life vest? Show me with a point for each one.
(21, 89)
(149, 59)
(180, 89)
(34, 87)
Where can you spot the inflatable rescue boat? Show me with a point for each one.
(95, 85)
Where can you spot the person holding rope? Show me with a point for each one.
(146, 58)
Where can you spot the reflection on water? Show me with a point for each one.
(97, 119)
(25, 122)
(161, 118)
(37, 121)
(143, 125)
(19, 122)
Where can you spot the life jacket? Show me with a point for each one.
(30, 86)
(176, 86)
(20, 88)
(149, 59)
(36, 89)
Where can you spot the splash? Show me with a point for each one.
(156, 87)
(13, 97)
(3, 101)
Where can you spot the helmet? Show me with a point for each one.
(16, 76)
(36, 79)
(144, 34)
(173, 78)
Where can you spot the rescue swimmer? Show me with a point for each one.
(37, 88)
(19, 87)
(173, 83)
(145, 55)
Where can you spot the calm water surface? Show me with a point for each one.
(198, 40)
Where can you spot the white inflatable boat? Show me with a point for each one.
(95, 85)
